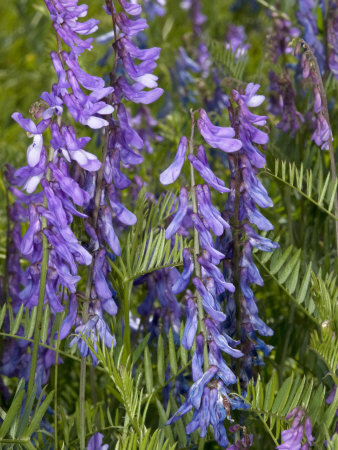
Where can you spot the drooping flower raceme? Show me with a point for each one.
(322, 133)
(209, 397)
(247, 192)
(282, 101)
(51, 211)
(332, 35)
(122, 147)
(307, 18)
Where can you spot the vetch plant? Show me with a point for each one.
(168, 280)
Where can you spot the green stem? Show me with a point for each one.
(126, 332)
(85, 308)
(236, 250)
(268, 430)
(56, 371)
(42, 289)
(201, 323)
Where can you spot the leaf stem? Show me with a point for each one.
(126, 332)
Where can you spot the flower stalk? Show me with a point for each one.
(42, 290)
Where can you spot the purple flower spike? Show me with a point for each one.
(188, 268)
(173, 171)
(180, 214)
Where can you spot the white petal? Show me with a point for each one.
(32, 183)
(96, 122)
(65, 154)
(108, 109)
(256, 100)
(148, 80)
(34, 151)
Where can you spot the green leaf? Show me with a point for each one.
(31, 326)
(278, 259)
(12, 413)
(172, 353)
(285, 272)
(17, 321)
(160, 361)
(2, 315)
(45, 324)
(39, 415)
(304, 285)
(148, 370)
(28, 408)
(271, 388)
(139, 349)
(282, 395)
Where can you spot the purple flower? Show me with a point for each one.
(222, 340)
(235, 40)
(180, 214)
(301, 427)
(207, 174)
(95, 442)
(191, 324)
(188, 268)
(173, 171)
(218, 137)
(208, 301)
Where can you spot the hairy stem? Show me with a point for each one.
(201, 323)
(56, 371)
(85, 308)
(236, 247)
(42, 289)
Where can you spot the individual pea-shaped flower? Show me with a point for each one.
(173, 171)
(217, 137)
